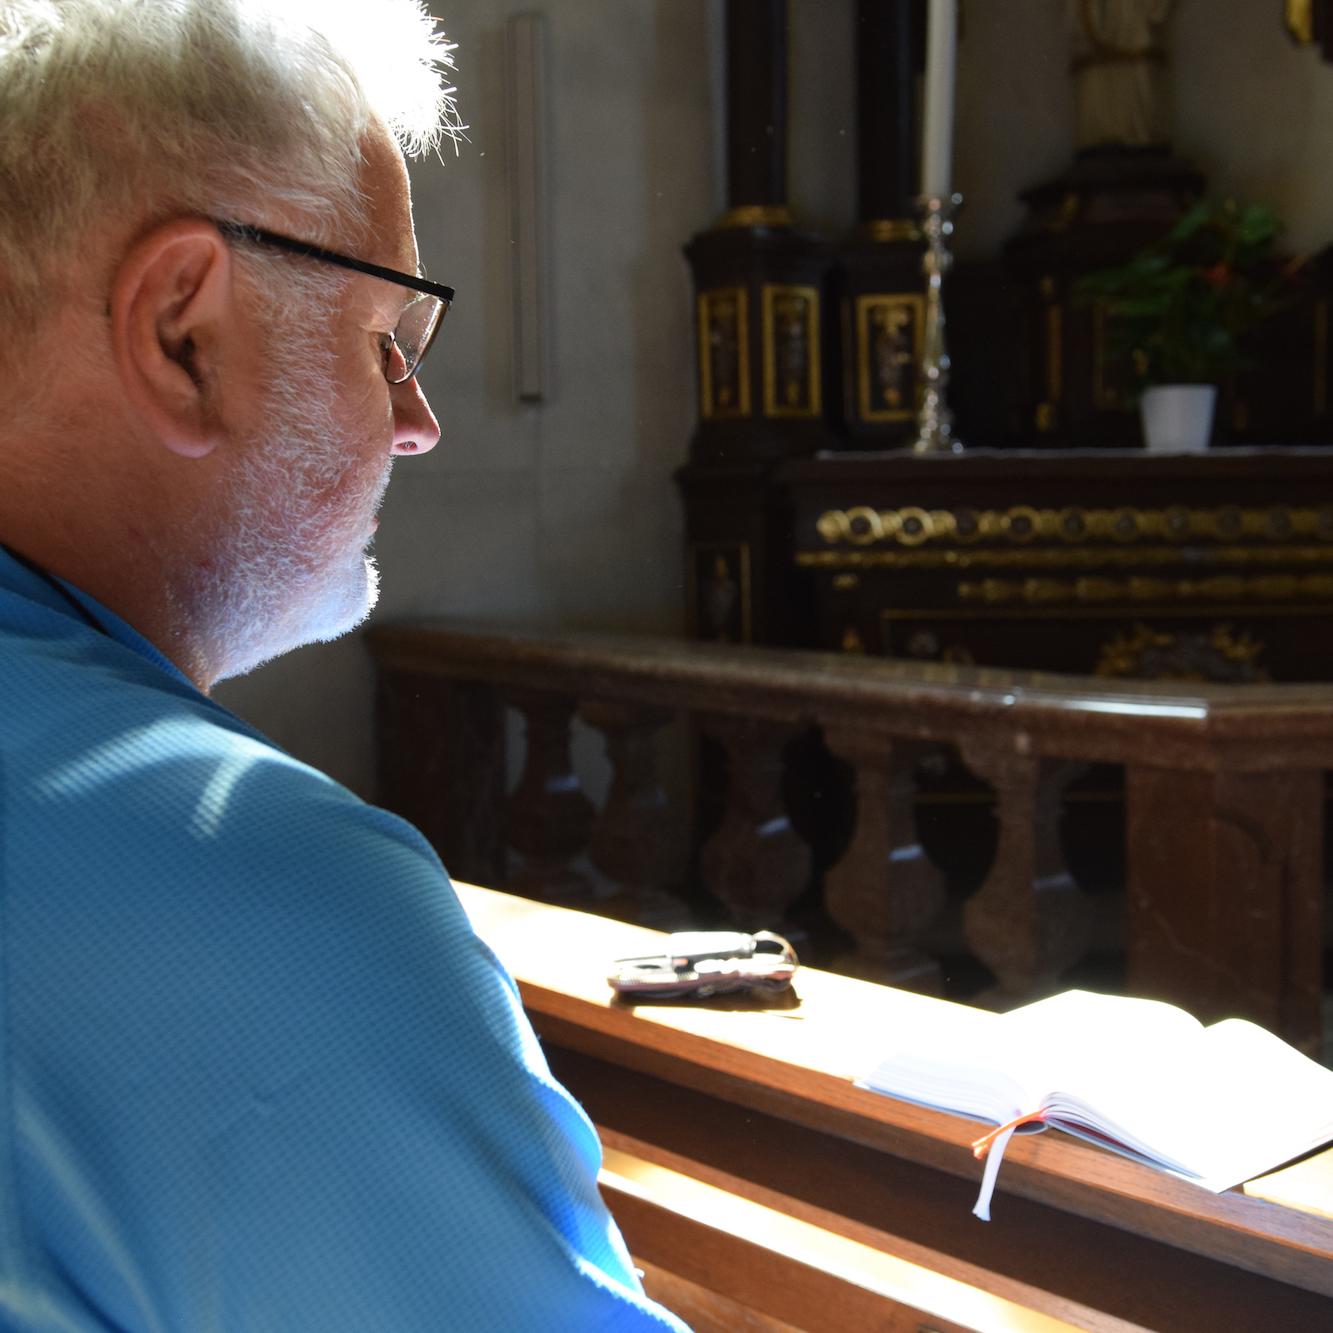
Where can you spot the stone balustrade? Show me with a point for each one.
(1224, 797)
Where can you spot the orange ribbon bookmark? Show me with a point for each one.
(981, 1146)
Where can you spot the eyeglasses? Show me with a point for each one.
(417, 325)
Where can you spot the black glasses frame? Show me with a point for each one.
(245, 231)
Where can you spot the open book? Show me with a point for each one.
(1214, 1105)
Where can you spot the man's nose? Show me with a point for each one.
(415, 429)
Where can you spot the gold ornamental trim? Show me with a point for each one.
(1064, 217)
(1320, 357)
(756, 215)
(862, 526)
(1055, 362)
(1097, 557)
(889, 229)
(1126, 654)
(1113, 613)
(1150, 591)
(889, 315)
(1300, 20)
(718, 555)
(718, 398)
(1104, 395)
(790, 316)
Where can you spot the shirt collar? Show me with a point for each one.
(63, 597)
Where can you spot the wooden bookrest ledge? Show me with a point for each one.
(760, 1190)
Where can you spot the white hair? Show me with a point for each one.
(132, 109)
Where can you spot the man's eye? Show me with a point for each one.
(394, 363)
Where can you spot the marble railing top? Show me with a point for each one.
(1278, 462)
(1156, 722)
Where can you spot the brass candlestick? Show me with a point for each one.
(934, 421)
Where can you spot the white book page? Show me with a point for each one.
(957, 1060)
(1085, 1042)
(1104, 1059)
(1218, 1105)
(1266, 1101)
(1076, 1020)
(1222, 1104)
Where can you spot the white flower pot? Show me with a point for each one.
(1178, 418)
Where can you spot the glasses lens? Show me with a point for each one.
(413, 336)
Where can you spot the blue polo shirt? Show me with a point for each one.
(258, 1071)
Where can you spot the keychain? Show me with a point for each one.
(708, 962)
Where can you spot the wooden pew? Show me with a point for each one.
(760, 1190)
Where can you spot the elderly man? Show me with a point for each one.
(258, 1073)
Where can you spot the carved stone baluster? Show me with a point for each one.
(634, 841)
(884, 892)
(442, 767)
(549, 816)
(1029, 921)
(756, 863)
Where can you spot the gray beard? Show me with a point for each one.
(290, 564)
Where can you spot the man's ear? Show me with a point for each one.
(171, 308)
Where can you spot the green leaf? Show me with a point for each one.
(1178, 307)
(1196, 218)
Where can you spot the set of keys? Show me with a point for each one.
(708, 962)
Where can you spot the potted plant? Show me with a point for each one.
(1178, 311)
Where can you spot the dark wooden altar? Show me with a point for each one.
(1104, 562)
(1054, 542)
